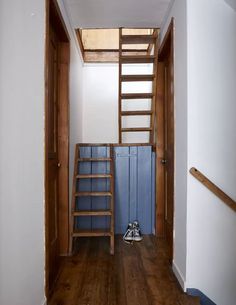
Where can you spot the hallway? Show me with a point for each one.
(137, 274)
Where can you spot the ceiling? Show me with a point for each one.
(117, 13)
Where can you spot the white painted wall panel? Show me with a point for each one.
(22, 258)
(211, 227)
(22, 152)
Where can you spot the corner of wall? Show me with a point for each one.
(179, 276)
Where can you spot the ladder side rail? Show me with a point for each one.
(73, 198)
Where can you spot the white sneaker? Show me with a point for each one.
(137, 235)
(129, 234)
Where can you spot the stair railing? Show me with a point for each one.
(213, 188)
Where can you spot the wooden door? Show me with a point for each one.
(52, 159)
(169, 154)
(165, 140)
(57, 61)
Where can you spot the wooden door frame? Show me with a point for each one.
(54, 17)
(167, 44)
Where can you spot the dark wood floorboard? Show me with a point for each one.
(137, 274)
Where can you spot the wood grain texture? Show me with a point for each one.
(137, 78)
(63, 147)
(93, 179)
(137, 59)
(213, 188)
(128, 96)
(136, 129)
(56, 141)
(136, 112)
(137, 274)
(160, 140)
(154, 86)
(120, 89)
(166, 55)
(137, 39)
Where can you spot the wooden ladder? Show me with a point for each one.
(74, 232)
(151, 40)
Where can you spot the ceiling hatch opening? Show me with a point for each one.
(102, 45)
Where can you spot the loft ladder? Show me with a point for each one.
(149, 58)
(76, 213)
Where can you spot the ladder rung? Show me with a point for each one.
(93, 194)
(88, 176)
(92, 213)
(133, 59)
(141, 112)
(127, 96)
(136, 129)
(137, 78)
(94, 159)
(91, 233)
(137, 39)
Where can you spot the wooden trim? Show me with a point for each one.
(213, 188)
(168, 42)
(77, 155)
(54, 17)
(63, 147)
(154, 87)
(112, 202)
(169, 35)
(47, 292)
(160, 134)
(120, 88)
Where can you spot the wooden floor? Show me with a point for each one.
(137, 274)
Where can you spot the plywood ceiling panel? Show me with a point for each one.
(108, 39)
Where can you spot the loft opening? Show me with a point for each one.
(102, 45)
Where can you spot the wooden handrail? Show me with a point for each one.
(213, 188)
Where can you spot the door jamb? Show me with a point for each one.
(53, 16)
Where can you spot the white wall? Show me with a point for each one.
(178, 11)
(211, 265)
(22, 152)
(22, 34)
(100, 103)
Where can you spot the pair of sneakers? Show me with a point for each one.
(133, 233)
